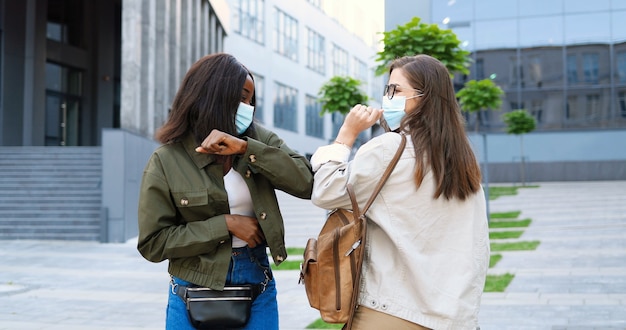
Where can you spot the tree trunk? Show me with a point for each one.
(521, 140)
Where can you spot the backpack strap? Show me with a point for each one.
(360, 217)
(386, 174)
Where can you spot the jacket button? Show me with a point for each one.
(184, 202)
(222, 242)
(263, 215)
(252, 158)
(248, 173)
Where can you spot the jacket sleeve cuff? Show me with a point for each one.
(333, 152)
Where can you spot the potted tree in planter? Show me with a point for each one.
(519, 122)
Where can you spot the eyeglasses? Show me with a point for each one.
(391, 89)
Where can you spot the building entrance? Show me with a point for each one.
(63, 105)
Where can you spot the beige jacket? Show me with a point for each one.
(426, 259)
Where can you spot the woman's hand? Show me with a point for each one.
(360, 118)
(221, 143)
(246, 228)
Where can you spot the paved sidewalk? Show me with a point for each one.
(575, 280)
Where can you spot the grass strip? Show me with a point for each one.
(505, 215)
(498, 283)
(509, 224)
(515, 246)
(505, 234)
(495, 192)
(287, 265)
(292, 251)
(493, 259)
(320, 324)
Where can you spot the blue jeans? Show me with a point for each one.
(245, 268)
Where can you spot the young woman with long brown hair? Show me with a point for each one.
(427, 250)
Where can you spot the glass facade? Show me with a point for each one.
(314, 122)
(286, 35)
(340, 61)
(316, 52)
(248, 19)
(563, 61)
(286, 107)
(259, 95)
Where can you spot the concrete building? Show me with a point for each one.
(293, 47)
(564, 61)
(84, 84)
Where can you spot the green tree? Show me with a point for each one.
(420, 38)
(519, 122)
(478, 95)
(340, 94)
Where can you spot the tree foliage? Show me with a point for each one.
(477, 95)
(420, 38)
(519, 122)
(340, 94)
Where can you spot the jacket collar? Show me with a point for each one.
(201, 160)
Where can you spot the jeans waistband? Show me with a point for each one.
(247, 252)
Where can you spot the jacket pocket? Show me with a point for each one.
(193, 205)
(187, 199)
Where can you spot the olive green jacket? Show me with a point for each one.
(182, 204)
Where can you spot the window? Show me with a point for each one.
(65, 22)
(314, 122)
(622, 104)
(590, 67)
(340, 61)
(286, 35)
(359, 71)
(517, 73)
(621, 67)
(285, 107)
(593, 106)
(534, 70)
(536, 110)
(259, 91)
(248, 19)
(375, 85)
(337, 118)
(517, 106)
(480, 69)
(316, 58)
(572, 69)
(571, 109)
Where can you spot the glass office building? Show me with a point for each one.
(564, 61)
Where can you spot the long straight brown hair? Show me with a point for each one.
(207, 99)
(437, 129)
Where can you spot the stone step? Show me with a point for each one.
(50, 193)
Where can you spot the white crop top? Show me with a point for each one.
(239, 199)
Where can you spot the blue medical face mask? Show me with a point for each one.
(243, 119)
(393, 110)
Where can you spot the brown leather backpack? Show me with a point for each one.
(331, 269)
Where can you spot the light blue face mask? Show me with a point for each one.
(393, 110)
(243, 118)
